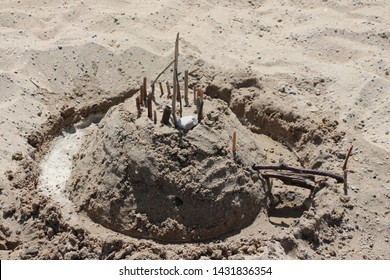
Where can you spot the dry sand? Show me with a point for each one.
(300, 80)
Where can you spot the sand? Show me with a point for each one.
(302, 80)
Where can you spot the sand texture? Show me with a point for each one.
(85, 176)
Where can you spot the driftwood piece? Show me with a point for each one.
(290, 178)
(284, 166)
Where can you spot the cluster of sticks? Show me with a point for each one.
(146, 99)
(298, 176)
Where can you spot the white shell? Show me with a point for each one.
(187, 122)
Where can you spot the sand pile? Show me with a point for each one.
(155, 181)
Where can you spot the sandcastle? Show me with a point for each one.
(148, 176)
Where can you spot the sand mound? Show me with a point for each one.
(155, 181)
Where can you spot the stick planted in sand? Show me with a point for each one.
(145, 89)
(166, 115)
(141, 94)
(186, 88)
(138, 104)
(161, 89)
(179, 99)
(155, 117)
(150, 110)
(174, 97)
(201, 95)
(199, 108)
(234, 143)
(345, 170)
(194, 89)
(168, 90)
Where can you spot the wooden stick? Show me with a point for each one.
(186, 88)
(145, 89)
(155, 117)
(290, 178)
(141, 94)
(166, 115)
(34, 83)
(161, 89)
(193, 71)
(199, 108)
(168, 90)
(179, 99)
(284, 166)
(138, 104)
(194, 89)
(234, 143)
(345, 170)
(152, 85)
(200, 94)
(150, 109)
(175, 64)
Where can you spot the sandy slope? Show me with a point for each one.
(320, 58)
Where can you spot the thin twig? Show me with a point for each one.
(347, 157)
(159, 75)
(284, 166)
(34, 83)
(193, 71)
(186, 88)
(195, 90)
(345, 171)
(179, 97)
(141, 94)
(175, 80)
